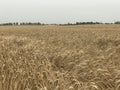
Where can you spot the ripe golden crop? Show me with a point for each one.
(60, 57)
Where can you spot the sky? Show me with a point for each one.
(59, 11)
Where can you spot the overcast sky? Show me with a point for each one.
(59, 11)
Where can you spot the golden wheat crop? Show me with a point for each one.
(60, 57)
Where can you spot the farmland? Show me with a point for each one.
(85, 57)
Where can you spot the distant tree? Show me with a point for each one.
(86, 23)
(117, 22)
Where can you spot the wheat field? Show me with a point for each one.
(60, 57)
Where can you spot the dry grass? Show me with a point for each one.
(60, 57)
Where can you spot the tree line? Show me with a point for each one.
(38, 23)
(23, 23)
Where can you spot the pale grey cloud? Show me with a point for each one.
(59, 11)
